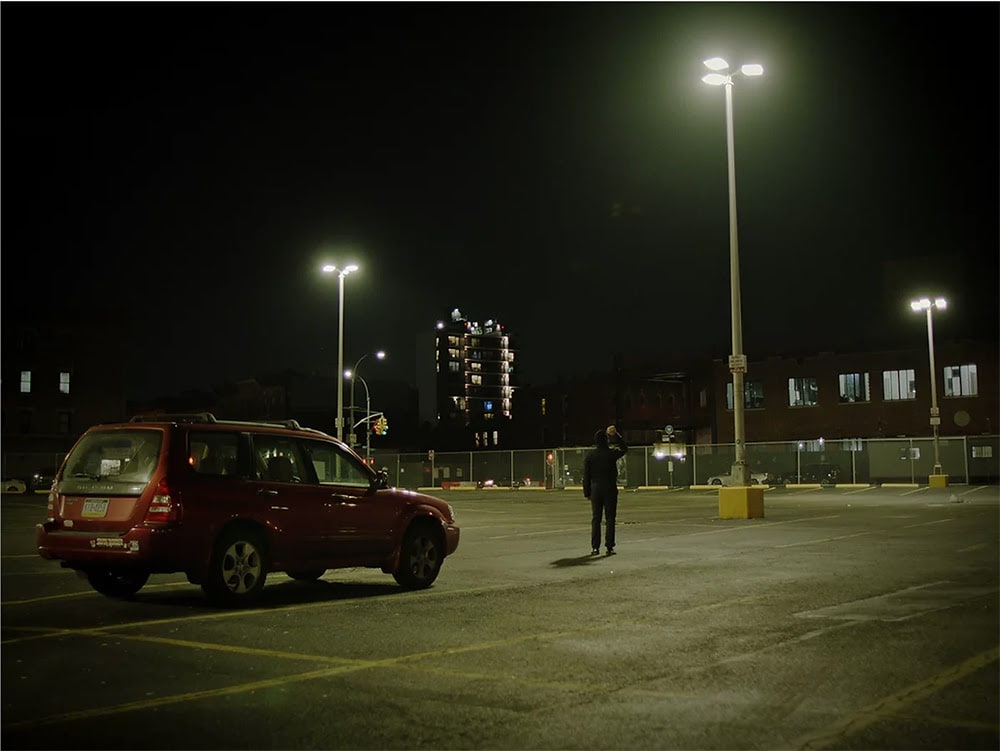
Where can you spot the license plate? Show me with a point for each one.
(95, 508)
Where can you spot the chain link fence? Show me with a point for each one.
(875, 461)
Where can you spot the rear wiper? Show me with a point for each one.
(87, 475)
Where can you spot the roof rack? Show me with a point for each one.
(200, 417)
(208, 417)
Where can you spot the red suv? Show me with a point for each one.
(228, 502)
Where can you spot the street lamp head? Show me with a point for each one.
(380, 354)
(924, 303)
(752, 69)
(716, 63)
(330, 268)
(715, 79)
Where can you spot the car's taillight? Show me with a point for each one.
(163, 509)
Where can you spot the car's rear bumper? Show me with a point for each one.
(145, 547)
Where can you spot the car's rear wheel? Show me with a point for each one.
(238, 569)
(306, 576)
(420, 558)
(120, 583)
(716, 481)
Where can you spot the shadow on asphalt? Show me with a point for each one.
(582, 560)
(275, 596)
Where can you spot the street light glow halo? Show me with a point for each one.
(716, 63)
(940, 303)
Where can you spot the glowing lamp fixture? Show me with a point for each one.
(721, 75)
(924, 304)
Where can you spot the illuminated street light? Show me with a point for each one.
(938, 477)
(341, 273)
(350, 374)
(368, 413)
(737, 362)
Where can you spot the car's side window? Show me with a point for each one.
(279, 459)
(213, 452)
(334, 466)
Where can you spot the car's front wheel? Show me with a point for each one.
(120, 583)
(716, 481)
(420, 558)
(238, 569)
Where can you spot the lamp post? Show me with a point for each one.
(350, 374)
(924, 304)
(720, 76)
(341, 273)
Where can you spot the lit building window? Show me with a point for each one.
(961, 380)
(854, 387)
(898, 385)
(753, 395)
(802, 392)
(25, 381)
(64, 382)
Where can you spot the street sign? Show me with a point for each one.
(737, 363)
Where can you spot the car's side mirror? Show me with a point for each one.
(381, 479)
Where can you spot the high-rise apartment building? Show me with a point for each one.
(475, 378)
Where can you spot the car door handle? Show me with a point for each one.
(267, 491)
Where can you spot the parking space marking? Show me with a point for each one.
(894, 704)
(344, 666)
(927, 524)
(861, 490)
(822, 539)
(764, 524)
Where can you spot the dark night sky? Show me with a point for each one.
(188, 166)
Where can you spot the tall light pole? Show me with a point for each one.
(721, 76)
(940, 303)
(341, 273)
(350, 374)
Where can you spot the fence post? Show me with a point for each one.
(965, 454)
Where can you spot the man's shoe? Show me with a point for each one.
(595, 551)
(611, 551)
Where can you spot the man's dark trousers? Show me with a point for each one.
(606, 505)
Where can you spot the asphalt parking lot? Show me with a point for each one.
(846, 618)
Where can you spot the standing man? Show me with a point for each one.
(600, 485)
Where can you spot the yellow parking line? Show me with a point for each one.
(891, 706)
(822, 539)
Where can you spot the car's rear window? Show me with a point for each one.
(126, 456)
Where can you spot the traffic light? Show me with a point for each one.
(381, 426)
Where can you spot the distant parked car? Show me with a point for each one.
(42, 479)
(824, 474)
(13, 485)
(756, 478)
